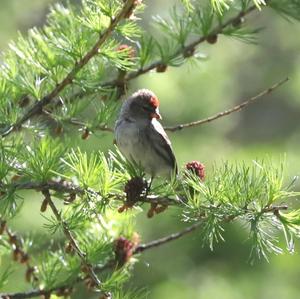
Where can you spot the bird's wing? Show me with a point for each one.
(161, 143)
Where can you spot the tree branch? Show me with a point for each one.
(111, 264)
(139, 249)
(200, 122)
(19, 253)
(167, 239)
(186, 49)
(129, 6)
(66, 187)
(68, 234)
(229, 111)
(81, 124)
(37, 107)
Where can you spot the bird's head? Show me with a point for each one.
(143, 104)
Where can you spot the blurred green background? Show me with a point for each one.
(232, 72)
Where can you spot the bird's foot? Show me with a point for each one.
(155, 208)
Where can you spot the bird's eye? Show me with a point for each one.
(145, 108)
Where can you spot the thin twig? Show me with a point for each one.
(61, 186)
(188, 48)
(76, 122)
(73, 242)
(27, 294)
(81, 124)
(19, 253)
(208, 119)
(167, 239)
(66, 187)
(139, 249)
(275, 209)
(156, 243)
(45, 292)
(200, 122)
(110, 264)
(229, 111)
(129, 5)
(38, 106)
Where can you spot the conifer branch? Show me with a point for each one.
(92, 184)
(229, 111)
(62, 186)
(88, 268)
(167, 239)
(189, 48)
(156, 243)
(110, 264)
(186, 49)
(19, 254)
(81, 124)
(66, 187)
(209, 119)
(28, 294)
(69, 188)
(138, 250)
(38, 106)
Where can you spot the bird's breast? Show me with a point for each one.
(128, 138)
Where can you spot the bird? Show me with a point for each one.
(141, 138)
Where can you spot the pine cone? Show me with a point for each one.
(196, 168)
(123, 250)
(134, 190)
(130, 50)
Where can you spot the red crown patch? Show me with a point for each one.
(154, 101)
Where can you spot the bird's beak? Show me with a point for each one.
(156, 114)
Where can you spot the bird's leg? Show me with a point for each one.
(161, 209)
(151, 212)
(155, 208)
(149, 187)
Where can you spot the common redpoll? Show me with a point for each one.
(140, 136)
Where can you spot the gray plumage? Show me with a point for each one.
(141, 138)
